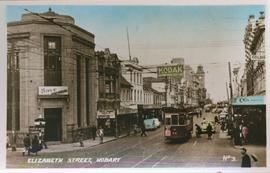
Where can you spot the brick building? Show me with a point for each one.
(51, 74)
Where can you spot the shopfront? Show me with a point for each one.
(251, 111)
(106, 121)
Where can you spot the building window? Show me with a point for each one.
(52, 61)
(51, 45)
(107, 87)
(135, 92)
(138, 95)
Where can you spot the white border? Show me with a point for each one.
(124, 2)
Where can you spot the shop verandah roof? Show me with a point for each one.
(248, 101)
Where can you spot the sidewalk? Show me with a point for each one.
(73, 146)
(223, 134)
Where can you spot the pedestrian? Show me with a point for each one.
(198, 131)
(41, 140)
(203, 121)
(27, 144)
(245, 133)
(143, 130)
(94, 132)
(135, 129)
(35, 147)
(246, 161)
(237, 140)
(7, 144)
(209, 131)
(81, 139)
(216, 120)
(100, 134)
(200, 113)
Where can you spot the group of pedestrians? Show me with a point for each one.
(33, 145)
(240, 134)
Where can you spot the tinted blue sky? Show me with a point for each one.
(206, 35)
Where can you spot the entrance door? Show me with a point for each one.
(53, 126)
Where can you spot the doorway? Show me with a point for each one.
(53, 126)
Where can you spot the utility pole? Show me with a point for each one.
(228, 98)
(116, 88)
(128, 45)
(230, 83)
(13, 94)
(166, 91)
(231, 92)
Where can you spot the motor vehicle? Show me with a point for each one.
(150, 124)
(222, 115)
(207, 109)
(157, 122)
(204, 125)
(214, 110)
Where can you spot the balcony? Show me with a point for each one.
(109, 96)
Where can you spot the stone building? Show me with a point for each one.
(51, 74)
(132, 72)
(254, 40)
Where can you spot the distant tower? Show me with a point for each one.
(201, 76)
(178, 61)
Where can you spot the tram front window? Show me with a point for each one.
(182, 120)
(175, 120)
(168, 121)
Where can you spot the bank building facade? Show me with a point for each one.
(52, 74)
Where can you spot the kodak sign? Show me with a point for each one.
(173, 70)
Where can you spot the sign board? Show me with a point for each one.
(106, 114)
(52, 90)
(34, 129)
(249, 100)
(171, 70)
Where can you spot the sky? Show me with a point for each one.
(210, 36)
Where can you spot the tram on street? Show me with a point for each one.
(178, 124)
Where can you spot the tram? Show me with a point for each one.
(178, 124)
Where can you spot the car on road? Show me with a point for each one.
(222, 115)
(151, 123)
(204, 125)
(207, 109)
(157, 122)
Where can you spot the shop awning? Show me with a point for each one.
(248, 101)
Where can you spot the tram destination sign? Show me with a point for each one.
(171, 71)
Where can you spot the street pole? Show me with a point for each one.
(231, 92)
(166, 90)
(13, 95)
(128, 45)
(228, 98)
(230, 84)
(116, 83)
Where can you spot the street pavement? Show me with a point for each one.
(151, 151)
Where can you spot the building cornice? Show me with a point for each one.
(17, 23)
(20, 35)
(83, 41)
